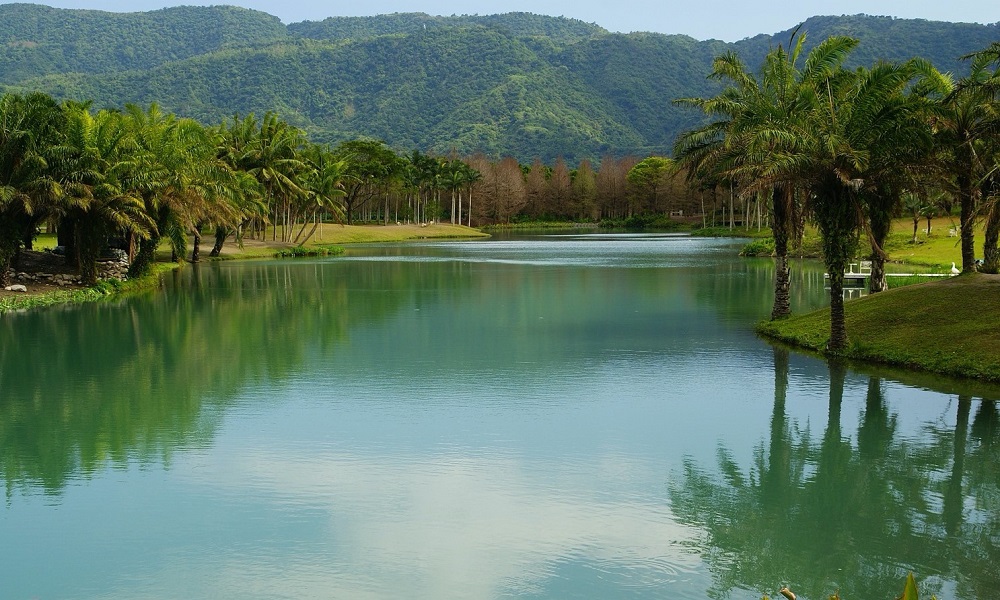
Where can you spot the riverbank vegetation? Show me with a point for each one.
(942, 327)
(802, 144)
(514, 84)
(848, 149)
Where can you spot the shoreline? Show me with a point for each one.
(333, 235)
(915, 328)
(939, 327)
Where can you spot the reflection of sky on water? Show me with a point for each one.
(454, 525)
(633, 251)
(468, 432)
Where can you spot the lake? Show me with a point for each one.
(559, 416)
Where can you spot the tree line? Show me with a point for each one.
(851, 148)
(138, 177)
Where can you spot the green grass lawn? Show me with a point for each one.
(945, 326)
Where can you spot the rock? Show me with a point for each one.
(16, 288)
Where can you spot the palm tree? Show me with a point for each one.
(966, 122)
(472, 177)
(901, 166)
(29, 126)
(756, 120)
(324, 186)
(270, 152)
(98, 165)
(454, 180)
(857, 122)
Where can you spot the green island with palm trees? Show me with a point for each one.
(804, 142)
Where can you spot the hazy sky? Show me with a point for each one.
(721, 19)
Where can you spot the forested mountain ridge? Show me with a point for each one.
(519, 84)
(517, 24)
(37, 40)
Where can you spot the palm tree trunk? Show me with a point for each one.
(311, 232)
(89, 246)
(967, 191)
(6, 259)
(876, 281)
(991, 255)
(952, 509)
(835, 208)
(144, 257)
(838, 325)
(196, 246)
(221, 233)
(781, 199)
(303, 228)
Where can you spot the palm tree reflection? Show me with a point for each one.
(831, 514)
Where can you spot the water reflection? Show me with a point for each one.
(457, 526)
(830, 514)
(476, 420)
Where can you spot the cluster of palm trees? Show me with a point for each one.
(142, 177)
(844, 147)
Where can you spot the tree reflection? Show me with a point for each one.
(826, 515)
(133, 381)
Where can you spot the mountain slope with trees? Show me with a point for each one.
(37, 40)
(518, 84)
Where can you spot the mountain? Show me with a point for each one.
(38, 40)
(519, 83)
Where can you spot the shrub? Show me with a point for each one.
(761, 247)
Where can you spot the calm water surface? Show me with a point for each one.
(579, 416)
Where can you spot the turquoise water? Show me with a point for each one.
(575, 416)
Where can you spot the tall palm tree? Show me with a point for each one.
(857, 123)
(472, 177)
(324, 184)
(902, 165)
(454, 181)
(967, 123)
(98, 166)
(29, 126)
(270, 152)
(756, 120)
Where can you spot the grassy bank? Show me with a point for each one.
(331, 234)
(327, 241)
(935, 250)
(943, 327)
(102, 291)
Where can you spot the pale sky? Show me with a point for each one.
(728, 20)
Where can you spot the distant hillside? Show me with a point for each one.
(888, 38)
(519, 83)
(559, 29)
(38, 40)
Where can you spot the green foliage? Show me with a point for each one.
(760, 247)
(518, 84)
(516, 24)
(644, 221)
(910, 589)
(302, 251)
(39, 40)
(937, 327)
